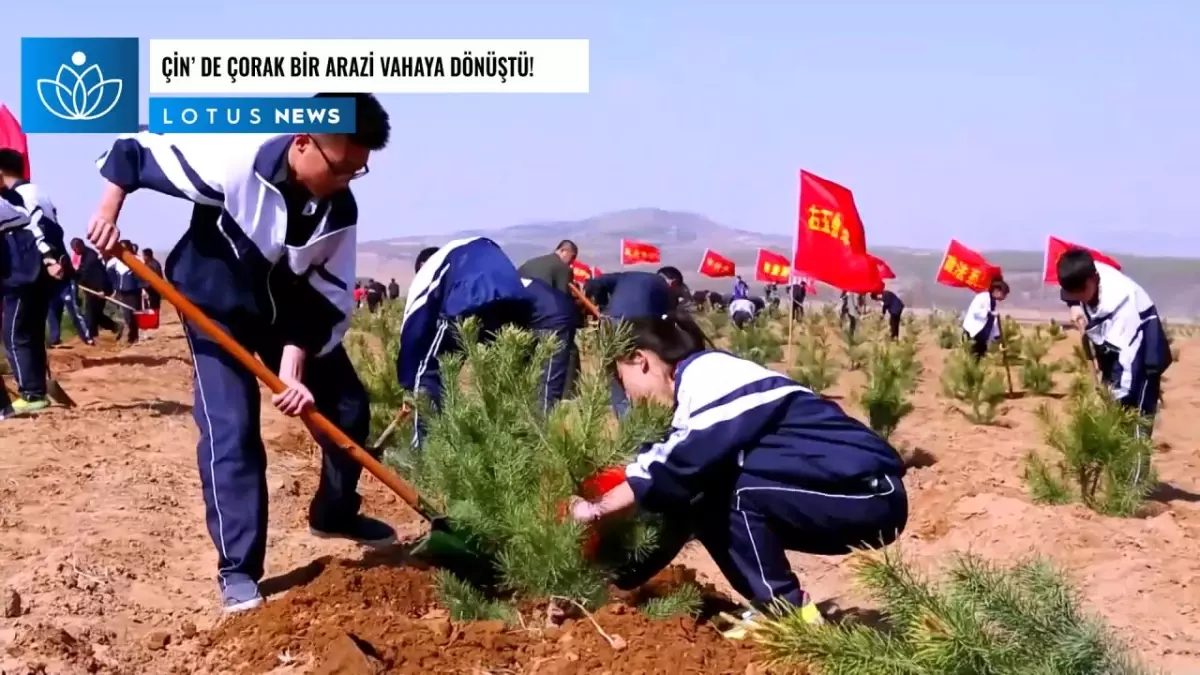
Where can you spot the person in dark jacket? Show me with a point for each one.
(798, 293)
(33, 263)
(92, 275)
(393, 289)
(755, 463)
(612, 292)
(553, 268)
(893, 306)
(473, 278)
(269, 256)
(153, 299)
(127, 290)
(375, 293)
(1124, 325)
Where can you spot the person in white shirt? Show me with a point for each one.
(981, 325)
(741, 311)
(1123, 324)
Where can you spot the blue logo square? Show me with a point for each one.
(79, 85)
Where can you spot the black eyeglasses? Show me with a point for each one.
(349, 174)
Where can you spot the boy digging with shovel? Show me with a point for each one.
(269, 256)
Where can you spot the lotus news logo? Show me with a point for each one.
(79, 96)
(79, 85)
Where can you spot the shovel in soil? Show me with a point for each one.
(442, 547)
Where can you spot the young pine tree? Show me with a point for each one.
(984, 619)
(501, 468)
(815, 367)
(885, 397)
(976, 382)
(1037, 375)
(1100, 457)
(757, 342)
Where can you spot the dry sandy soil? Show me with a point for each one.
(102, 538)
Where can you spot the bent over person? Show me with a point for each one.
(269, 256)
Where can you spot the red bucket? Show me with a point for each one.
(147, 319)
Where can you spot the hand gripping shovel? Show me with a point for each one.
(442, 547)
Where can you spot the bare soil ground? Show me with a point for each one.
(105, 565)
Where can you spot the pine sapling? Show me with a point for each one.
(815, 365)
(757, 342)
(857, 351)
(1037, 375)
(949, 336)
(1100, 454)
(885, 398)
(976, 382)
(1023, 619)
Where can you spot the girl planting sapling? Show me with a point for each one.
(755, 464)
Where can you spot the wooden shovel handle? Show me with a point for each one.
(583, 300)
(314, 419)
(111, 299)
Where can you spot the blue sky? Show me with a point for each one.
(997, 123)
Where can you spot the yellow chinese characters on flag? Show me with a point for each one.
(965, 268)
(581, 272)
(772, 268)
(715, 265)
(637, 252)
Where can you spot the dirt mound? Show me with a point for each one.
(364, 618)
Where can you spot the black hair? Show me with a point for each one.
(148, 251)
(424, 255)
(1075, 267)
(568, 245)
(671, 273)
(76, 240)
(673, 338)
(998, 284)
(12, 162)
(372, 128)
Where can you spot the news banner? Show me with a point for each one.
(93, 85)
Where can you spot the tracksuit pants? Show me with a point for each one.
(65, 299)
(231, 455)
(24, 336)
(894, 324)
(95, 318)
(558, 369)
(749, 530)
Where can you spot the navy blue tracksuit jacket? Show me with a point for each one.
(474, 278)
(274, 266)
(29, 235)
(760, 465)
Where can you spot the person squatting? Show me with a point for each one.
(755, 465)
(269, 256)
(474, 278)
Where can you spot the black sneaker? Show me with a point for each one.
(360, 529)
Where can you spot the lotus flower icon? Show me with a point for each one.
(79, 96)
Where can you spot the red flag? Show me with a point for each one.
(772, 268)
(963, 268)
(581, 272)
(885, 270)
(831, 245)
(596, 272)
(1055, 247)
(637, 252)
(11, 136)
(715, 265)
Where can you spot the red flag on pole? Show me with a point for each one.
(715, 265)
(831, 244)
(885, 270)
(581, 272)
(637, 252)
(1055, 247)
(11, 136)
(963, 268)
(772, 268)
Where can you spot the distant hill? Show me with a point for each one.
(1174, 283)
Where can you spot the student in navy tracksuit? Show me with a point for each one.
(12, 217)
(34, 260)
(614, 292)
(981, 323)
(756, 463)
(269, 256)
(893, 306)
(1123, 324)
(474, 278)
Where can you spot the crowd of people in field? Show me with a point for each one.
(755, 465)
